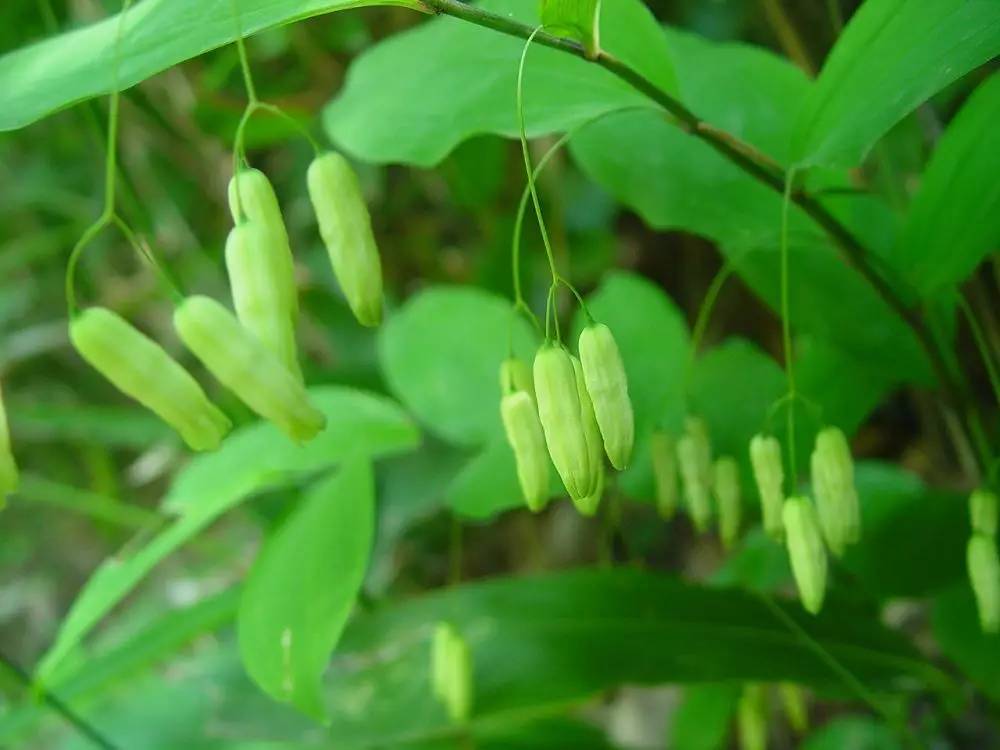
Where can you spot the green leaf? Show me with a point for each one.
(587, 630)
(900, 520)
(577, 19)
(955, 219)
(387, 85)
(52, 74)
(251, 459)
(853, 733)
(701, 721)
(302, 588)
(962, 640)
(441, 355)
(119, 427)
(677, 182)
(487, 485)
(736, 408)
(893, 56)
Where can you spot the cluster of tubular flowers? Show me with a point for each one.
(572, 410)
(252, 352)
(688, 462)
(810, 528)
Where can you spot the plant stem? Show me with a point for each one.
(78, 723)
(756, 164)
(786, 335)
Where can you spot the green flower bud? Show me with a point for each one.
(608, 389)
(515, 375)
(694, 456)
(260, 205)
(345, 227)
(806, 551)
(752, 718)
(561, 415)
(592, 434)
(451, 672)
(769, 474)
(983, 510)
(524, 433)
(833, 485)
(140, 368)
(8, 468)
(259, 303)
(984, 573)
(662, 450)
(793, 698)
(241, 363)
(726, 485)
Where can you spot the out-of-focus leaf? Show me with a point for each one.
(955, 218)
(701, 721)
(853, 733)
(301, 590)
(118, 427)
(893, 55)
(441, 355)
(901, 519)
(488, 484)
(77, 65)
(387, 85)
(962, 640)
(251, 459)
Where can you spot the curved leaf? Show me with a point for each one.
(249, 460)
(156, 34)
(893, 56)
(301, 590)
(416, 96)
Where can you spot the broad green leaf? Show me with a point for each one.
(587, 630)
(759, 563)
(853, 733)
(577, 19)
(955, 219)
(961, 638)
(901, 519)
(302, 588)
(251, 459)
(388, 84)
(441, 355)
(893, 56)
(156, 34)
(701, 721)
(487, 484)
(736, 407)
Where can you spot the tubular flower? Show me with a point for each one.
(241, 363)
(345, 226)
(726, 485)
(664, 457)
(250, 190)
(768, 473)
(259, 302)
(833, 485)
(451, 672)
(8, 468)
(694, 456)
(607, 385)
(140, 368)
(806, 551)
(561, 415)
